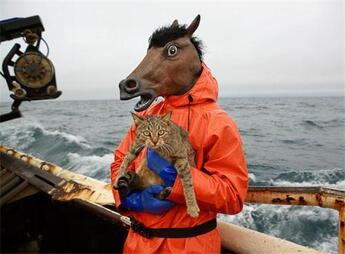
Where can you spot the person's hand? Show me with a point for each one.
(145, 200)
(161, 167)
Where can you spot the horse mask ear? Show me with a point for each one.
(193, 26)
(175, 23)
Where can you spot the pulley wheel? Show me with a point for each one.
(33, 70)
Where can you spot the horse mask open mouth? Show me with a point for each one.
(131, 88)
(170, 67)
(144, 102)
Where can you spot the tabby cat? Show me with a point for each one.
(171, 142)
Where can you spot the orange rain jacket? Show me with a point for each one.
(220, 177)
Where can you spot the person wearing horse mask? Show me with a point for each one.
(173, 69)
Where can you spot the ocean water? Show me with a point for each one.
(288, 142)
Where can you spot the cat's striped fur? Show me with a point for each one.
(170, 141)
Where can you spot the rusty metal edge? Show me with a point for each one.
(89, 188)
(309, 196)
(292, 189)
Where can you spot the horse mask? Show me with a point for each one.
(171, 66)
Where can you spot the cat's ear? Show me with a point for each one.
(166, 117)
(137, 119)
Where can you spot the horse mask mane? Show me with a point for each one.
(163, 35)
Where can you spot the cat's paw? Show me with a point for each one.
(193, 211)
(164, 193)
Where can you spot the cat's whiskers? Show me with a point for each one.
(169, 148)
(164, 149)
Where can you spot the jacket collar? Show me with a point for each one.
(204, 90)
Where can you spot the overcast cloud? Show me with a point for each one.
(254, 48)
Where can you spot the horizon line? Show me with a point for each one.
(220, 97)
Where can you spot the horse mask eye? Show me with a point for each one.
(172, 50)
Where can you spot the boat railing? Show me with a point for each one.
(305, 196)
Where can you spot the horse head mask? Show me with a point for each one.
(171, 66)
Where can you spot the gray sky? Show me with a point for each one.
(254, 48)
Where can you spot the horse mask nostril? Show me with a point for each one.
(131, 85)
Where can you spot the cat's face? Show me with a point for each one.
(152, 130)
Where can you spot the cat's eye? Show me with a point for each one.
(146, 133)
(161, 132)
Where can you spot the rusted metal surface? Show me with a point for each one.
(306, 196)
(23, 166)
(57, 187)
(70, 190)
(310, 196)
(62, 184)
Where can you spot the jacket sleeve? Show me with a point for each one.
(221, 186)
(119, 154)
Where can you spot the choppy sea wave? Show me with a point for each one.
(288, 142)
(303, 225)
(65, 149)
(308, 226)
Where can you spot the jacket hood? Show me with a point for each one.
(204, 90)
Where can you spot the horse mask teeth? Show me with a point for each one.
(144, 102)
